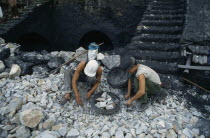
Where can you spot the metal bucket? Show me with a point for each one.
(104, 111)
(117, 77)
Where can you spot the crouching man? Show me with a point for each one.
(145, 81)
(86, 72)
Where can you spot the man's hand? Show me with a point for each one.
(79, 101)
(129, 102)
(88, 95)
(127, 96)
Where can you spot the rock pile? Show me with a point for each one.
(29, 108)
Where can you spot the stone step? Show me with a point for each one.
(166, 2)
(162, 23)
(153, 55)
(157, 38)
(163, 12)
(165, 47)
(160, 67)
(163, 17)
(165, 7)
(159, 30)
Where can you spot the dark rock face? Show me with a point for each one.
(4, 53)
(197, 27)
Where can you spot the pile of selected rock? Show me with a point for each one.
(105, 102)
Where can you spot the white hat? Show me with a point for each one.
(91, 68)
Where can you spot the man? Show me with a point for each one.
(145, 81)
(86, 72)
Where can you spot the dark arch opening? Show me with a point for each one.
(98, 37)
(34, 42)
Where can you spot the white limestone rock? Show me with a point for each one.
(187, 133)
(22, 132)
(2, 67)
(15, 71)
(48, 124)
(119, 134)
(48, 134)
(82, 57)
(171, 134)
(4, 75)
(105, 135)
(73, 133)
(14, 105)
(111, 61)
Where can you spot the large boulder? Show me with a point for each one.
(15, 71)
(46, 56)
(4, 53)
(66, 56)
(2, 67)
(32, 57)
(82, 57)
(111, 61)
(31, 117)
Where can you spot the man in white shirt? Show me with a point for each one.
(144, 79)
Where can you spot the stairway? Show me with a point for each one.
(157, 39)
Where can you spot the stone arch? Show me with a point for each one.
(34, 42)
(98, 37)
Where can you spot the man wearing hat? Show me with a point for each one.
(145, 81)
(85, 72)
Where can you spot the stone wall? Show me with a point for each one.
(63, 23)
(197, 27)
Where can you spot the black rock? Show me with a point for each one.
(11, 60)
(25, 66)
(4, 53)
(40, 69)
(35, 57)
(55, 62)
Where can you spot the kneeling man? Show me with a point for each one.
(145, 81)
(86, 72)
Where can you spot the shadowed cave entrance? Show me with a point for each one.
(34, 42)
(98, 37)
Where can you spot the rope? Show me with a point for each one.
(195, 84)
